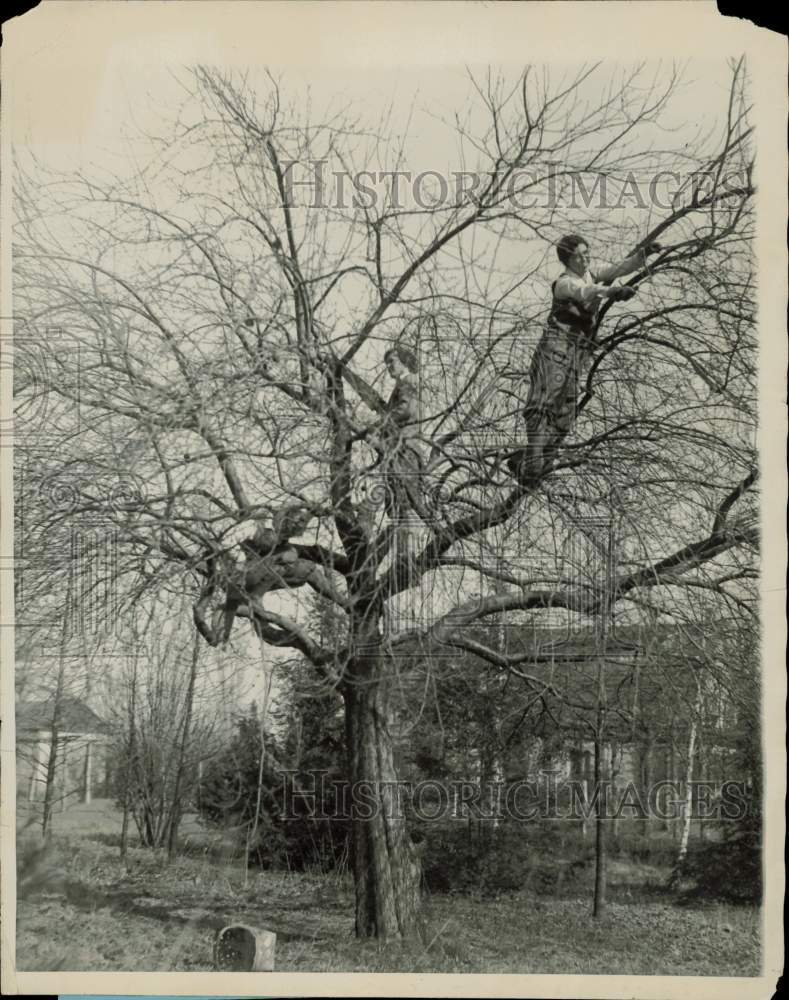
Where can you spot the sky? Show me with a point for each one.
(77, 73)
(85, 85)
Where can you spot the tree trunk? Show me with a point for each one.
(599, 778)
(705, 773)
(616, 763)
(125, 829)
(673, 769)
(586, 780)
(600, 855)
(687, 809)
(38, 773)
(49, 790)
(487, 776)
(128, 777)
(646, 782)
(176, 808)
(87, 773)
(384, 862)
(52, 762)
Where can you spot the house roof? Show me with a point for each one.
(663, 639)
(570, 642)
(74, 716)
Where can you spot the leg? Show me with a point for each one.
(527, 463)
(547, 385)
(224, 616)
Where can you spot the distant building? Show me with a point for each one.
(81, 759)
(664, 694)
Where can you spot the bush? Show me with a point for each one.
(282, 832)
(456, 860)
(508, 859)
(730, 870)
(660, 852)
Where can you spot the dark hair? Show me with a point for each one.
(405, 354)
(567, 246)
(290, 519)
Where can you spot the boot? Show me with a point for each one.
(524, 467)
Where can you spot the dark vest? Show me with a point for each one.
(567, 312)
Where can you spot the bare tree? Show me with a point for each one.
(55, 744)
(164, 729)
(232, 314)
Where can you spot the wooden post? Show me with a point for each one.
(87, 774)
(600, 838)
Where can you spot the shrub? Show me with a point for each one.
(730, 870)
(279, 829)
(660, 852)
(489, 863)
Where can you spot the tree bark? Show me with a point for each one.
(87, 773)
(586, 780)
(176, 808)
(600, 844)
(673, 769)
(687, 808)
(646, 782)
(52, 761)
(131, 750)
(385, 864)
(616, 764)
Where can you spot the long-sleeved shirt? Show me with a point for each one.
(565, 347)
(589, 288)
(577, 298)
(402, 408)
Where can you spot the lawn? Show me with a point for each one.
(81, 908)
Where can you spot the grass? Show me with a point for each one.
(81, 908)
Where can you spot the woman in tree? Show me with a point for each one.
(564, 352)
(397, 435)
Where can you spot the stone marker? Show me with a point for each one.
(239, 948)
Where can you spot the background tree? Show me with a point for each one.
(163, 733)
(242, 791)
